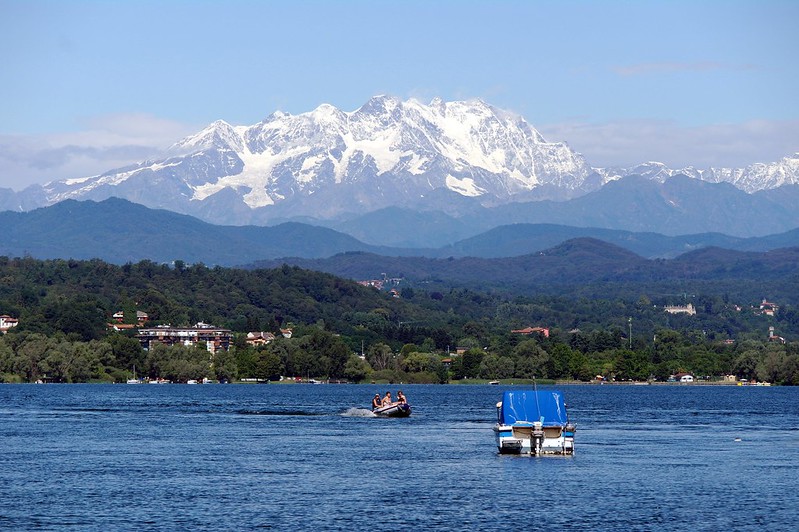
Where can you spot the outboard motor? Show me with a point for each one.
(568, 438)
(537, 438)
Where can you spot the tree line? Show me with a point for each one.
(347, 331)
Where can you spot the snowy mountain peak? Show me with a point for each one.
(388, 152)
(755, 177)
(217, 134)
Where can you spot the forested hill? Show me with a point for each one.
(585, 266)
(575, 261)
(80, 296)
(64, 306)
(119, 231)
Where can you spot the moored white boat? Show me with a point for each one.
(533, 422)
(393, 410)
(134, 380)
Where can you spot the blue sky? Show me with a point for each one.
(87, 86)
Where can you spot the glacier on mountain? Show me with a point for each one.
(388, 152)
(470, 148)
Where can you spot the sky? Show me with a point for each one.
(90, 86)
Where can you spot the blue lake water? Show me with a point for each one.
(292, 457)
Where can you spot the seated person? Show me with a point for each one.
(401, 398)
(387, 400)
(376, 402)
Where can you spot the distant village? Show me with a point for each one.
(766, 308)
(217, 339)
(389, 284)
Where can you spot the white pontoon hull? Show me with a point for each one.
(520, 439)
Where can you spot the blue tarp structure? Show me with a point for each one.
(530, 406)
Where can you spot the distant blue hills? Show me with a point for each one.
(118, 231)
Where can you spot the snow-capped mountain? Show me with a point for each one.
(753, 178)
(387, 152)
(327, 163)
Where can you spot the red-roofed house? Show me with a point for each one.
(769, 309)
(259, 338)
(7, 322)
(533, 330)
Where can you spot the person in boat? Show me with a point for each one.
(401, 398)
(377, 402)
(387, 401)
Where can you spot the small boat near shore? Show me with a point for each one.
(534, 423)
(393, 410)
(134, 380)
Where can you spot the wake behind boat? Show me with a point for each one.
(533, 422)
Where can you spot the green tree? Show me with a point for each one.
(267, 365)
(356, 369)
(496, 367)
(225, 366)
(418, 362)
(31, 355)
(379, 356)
(745, 365)
(632, 365)
(532, 360)
(471, 362)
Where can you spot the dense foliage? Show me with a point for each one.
(64, 307)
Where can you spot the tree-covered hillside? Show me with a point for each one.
(64, 308)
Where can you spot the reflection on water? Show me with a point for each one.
(302, 456)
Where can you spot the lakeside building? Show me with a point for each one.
(215, 338)
(677, 309)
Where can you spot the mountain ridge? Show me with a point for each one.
(120, 231)
(593, 265)
(328, 164)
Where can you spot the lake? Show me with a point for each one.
(303, 456)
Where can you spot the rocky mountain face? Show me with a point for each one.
(328, 162)
(454, 158)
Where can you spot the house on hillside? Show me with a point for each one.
(528, 331)
(141, 317)
(259, 338)
(773, 337)
(215, 338)
(768, 308)
(677, 309)
(7, 322)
